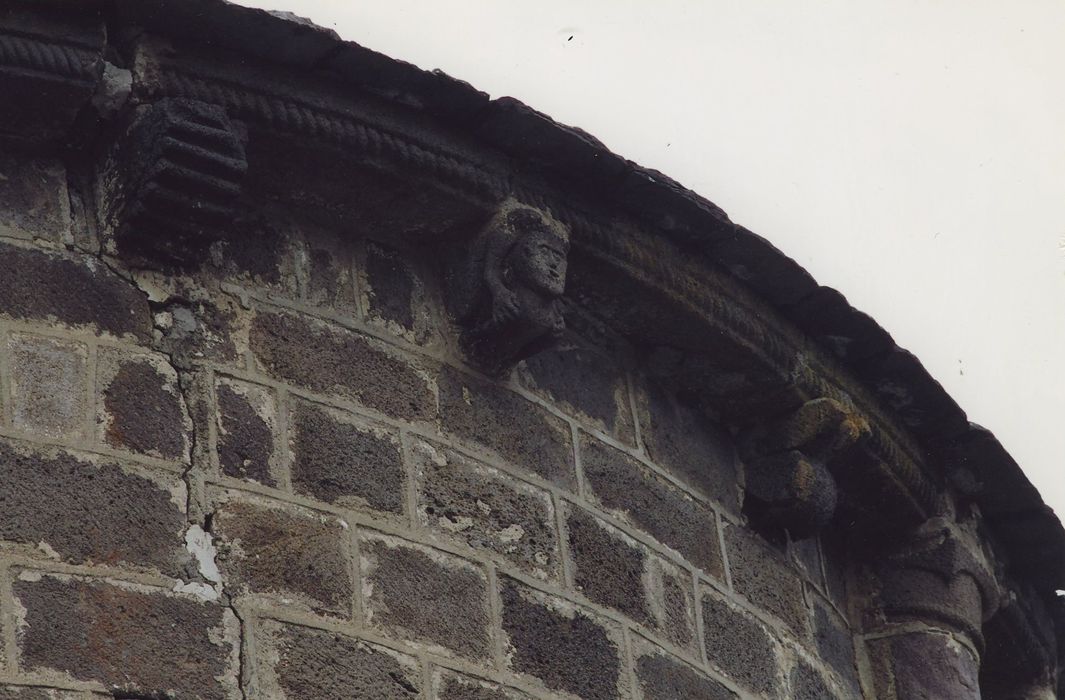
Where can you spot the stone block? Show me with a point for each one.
(330, 278)
(84, 511)
(48, 385)
(585, 384)
(834, 557)
(25, 692)
(516, 429)
(672, 603)
(689, 446)
(331, 360)
(486, 508)
(807, 554)
(259, 252)
(807, 683)
(738, 645)
(284, 552)
(662, 677)
(608, 567)
(247, 422)
(139, 405)
(648, 501)
(299, 663)
(395, 296)
(613, 570)
(923, 665)
(564, 647)
(834, 643)
(33, 199)
(421, 595)
(191, 328)
(75, 291)
(141, 642)
(766, 579)
(448, 685)
(340, 460)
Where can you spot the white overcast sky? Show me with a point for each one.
(910, 153)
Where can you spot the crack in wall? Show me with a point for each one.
(227, 599)
(196, 514)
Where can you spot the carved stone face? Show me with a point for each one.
(539, 260)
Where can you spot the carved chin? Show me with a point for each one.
(553, 286)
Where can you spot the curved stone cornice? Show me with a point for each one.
(51, 60)
(713, 309)
(786, 368)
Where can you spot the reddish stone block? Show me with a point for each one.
(740, 646)
(79, 292)
(516, 429)
(564, 647)
(339, 459)
(284, 552)
(139, 641)
(585, 384)
(247, 421)
(766, 578)
(139, 405)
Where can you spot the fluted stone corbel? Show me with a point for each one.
(788, 484)
(172, 179)
(505, 290)
(51, 62)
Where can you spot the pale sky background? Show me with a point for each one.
(910, 153)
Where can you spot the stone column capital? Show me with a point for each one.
(939, 576)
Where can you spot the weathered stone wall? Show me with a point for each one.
(274, 477)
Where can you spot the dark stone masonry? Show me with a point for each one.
(322, 376)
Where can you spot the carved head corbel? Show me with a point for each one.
(506, 292)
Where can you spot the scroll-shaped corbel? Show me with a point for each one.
(506, 292)
(788, 484)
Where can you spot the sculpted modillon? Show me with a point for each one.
(507, 294)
